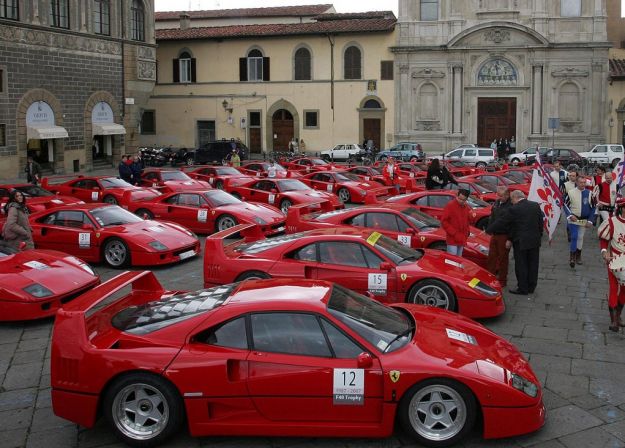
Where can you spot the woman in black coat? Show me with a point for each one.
(438, 176)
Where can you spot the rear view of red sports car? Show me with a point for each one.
(282, 358)
(36, 283)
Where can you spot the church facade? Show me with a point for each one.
(479, 70)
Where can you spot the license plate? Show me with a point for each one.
(187, 254)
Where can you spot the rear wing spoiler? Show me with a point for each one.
(51, 181)
(371, 198)
(294, 222)
(214, 246)
(128, 194)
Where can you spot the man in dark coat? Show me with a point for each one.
(125, 172)
(524, 221)
(32, 170)
(499, 249)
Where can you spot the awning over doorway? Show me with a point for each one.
(108, 129)
(45, 132)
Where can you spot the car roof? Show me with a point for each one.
(308, 293)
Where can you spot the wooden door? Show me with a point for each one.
(255, 145)
(283, 130)
(372, 130)
(496, 119)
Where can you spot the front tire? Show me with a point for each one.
(108, 199)
(144, 213)
(435, 293)
(285, 205)
(219, 184)
(189, 161)
(224, 222)
(515, 160)
(252, 275)
(116, 253)
(344, 195)
(480, 164)
(143, 409)
(438, 412)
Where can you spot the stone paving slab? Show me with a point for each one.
(562, 329)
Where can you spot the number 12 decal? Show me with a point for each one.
(349, 387)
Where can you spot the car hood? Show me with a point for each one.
(459, 342)
(144, 232)
(187, 185)
(252, 209)
(312, 195)
(54, 270)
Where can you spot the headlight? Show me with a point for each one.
(260, 221)
(157, 245)
(520, 383)
(486, 290)
(37, 290)
(483, 249)
(84, 266)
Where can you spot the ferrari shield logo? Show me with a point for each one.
(404, 277)
(213, 212)
(422, 239)
(97, 235)
(394, 375)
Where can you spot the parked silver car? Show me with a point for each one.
(473, 156)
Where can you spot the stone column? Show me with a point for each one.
(36, 20)
(597, 106)
(404, 98)
(457, 95)
(537, 99)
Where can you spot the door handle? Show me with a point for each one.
(44, 231)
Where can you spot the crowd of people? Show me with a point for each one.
(504, 147)
(130, 169)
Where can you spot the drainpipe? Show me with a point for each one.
(331, 40)
(122, 35)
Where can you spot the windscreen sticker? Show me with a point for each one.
(202, 215)
(373, 238)
(474, 281)
(156, 229)
(349, 387)
(453, 263)
(460, 336)
(36, 265)
(271, 199)
(94, 195)
(404, 239)
(84, 240)
(377, 283)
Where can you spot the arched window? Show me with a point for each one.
(254, 67)
(372, 104)
(353, 63)
(184, 68)
(302, 64)
(569, 102)
(137, 21)
(102, 17)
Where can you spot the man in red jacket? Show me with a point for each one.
(455, 222)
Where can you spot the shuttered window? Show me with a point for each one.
(386, 70)
(353, 63)
(302, 65)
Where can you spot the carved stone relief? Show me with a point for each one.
(428, 73)
(427, 125)
(146, 70)
(496, 35)
(569, 72)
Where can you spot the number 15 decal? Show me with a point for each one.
(377, 283)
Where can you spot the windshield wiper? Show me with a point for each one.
(408, 258)
(399, 336)
(115, 224)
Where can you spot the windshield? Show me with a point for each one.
(219, 197)
(33, 191)
(383, 327)
(516, 176)
(318, 162)
(113, 182)
(483, 187)
(348, 176)
(420, 219)
(375, 171)
(394, 251)
(114, 216)
(292, 185)
(476, 202)
(174, 175)
(227, 171)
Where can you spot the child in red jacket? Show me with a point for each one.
(455, 222)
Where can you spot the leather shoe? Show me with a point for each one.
(517, 291)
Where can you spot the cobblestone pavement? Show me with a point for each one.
(562, 329)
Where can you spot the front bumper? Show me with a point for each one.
(166, 256)
(481, 308)
(509, 422)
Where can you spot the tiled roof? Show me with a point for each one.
(617, 68)
(279, 29)
(356, 15)
(277, 11)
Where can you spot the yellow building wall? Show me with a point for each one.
(179, 106)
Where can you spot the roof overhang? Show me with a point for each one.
(108, 129)
(45, 132)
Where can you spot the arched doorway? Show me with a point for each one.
(372, 113)
(283, 129)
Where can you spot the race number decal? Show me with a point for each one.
(412, 175)
(202, 215)
(84, 240)
(94, 195)
(404, 239)
(329, 188)
(271, 199)
(349, 387)
(211, 180)
(377, 283)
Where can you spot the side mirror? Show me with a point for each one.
(364, 360)
(386, 266)
(22, 245)
(410, 231)
(274, 191)
(86, 227)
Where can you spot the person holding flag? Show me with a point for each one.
(612, 240)
(582, 216)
